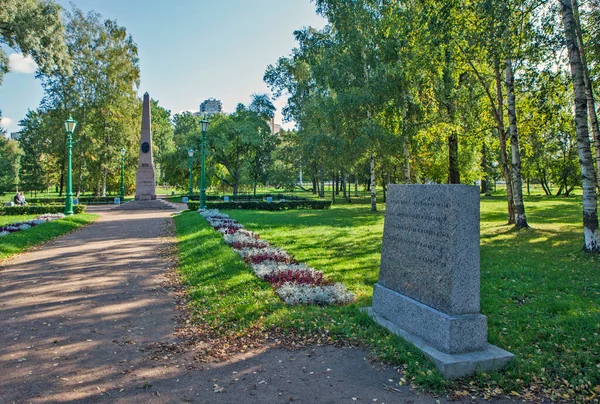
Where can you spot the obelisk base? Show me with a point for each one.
(145, 189)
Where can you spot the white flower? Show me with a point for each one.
(206, 213)
(275, 253)
(272, 268)
(292, 293)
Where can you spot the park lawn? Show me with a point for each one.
(21, 241)
(541, 293)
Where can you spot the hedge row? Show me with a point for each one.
(85, 200)
(38, 209)
(260, 205)
(249, 197)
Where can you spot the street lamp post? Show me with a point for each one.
(203, 125)
(123, 151)
(191, 155)
(70, 125)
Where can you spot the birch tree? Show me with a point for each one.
(591, 239)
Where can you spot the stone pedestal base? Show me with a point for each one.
(451, 366)
(145, 188)
(457, 344)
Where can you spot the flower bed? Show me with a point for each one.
(19, 226)
(294, 282)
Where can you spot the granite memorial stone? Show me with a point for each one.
(145, 181)
(428, 288)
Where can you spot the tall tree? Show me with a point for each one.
(591, 239)
(100, 94)
(33, 28)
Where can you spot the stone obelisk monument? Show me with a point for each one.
(145, 178)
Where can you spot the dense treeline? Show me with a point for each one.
(410, 91)
(419, 91)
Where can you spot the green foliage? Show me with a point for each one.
(84, 200)
(101, 97)
(33, 28)
(263, 205)
(38, 209)
(20, 241)
(9, 164)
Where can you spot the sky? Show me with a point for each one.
(189, 50)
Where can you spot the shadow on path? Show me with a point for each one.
(78, 315)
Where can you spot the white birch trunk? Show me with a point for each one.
(517, 181)
(589, 91)
(591, 240)
(373, 191)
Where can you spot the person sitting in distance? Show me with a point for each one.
(21, 199)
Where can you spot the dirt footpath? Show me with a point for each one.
(78, 318)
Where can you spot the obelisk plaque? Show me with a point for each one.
(145, 178)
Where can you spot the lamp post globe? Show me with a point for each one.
(70, 125)
(191, 156)
(123, 151)
(203, 126)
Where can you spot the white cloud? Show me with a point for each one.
(6, 122)
(21, 64)
(185, 110)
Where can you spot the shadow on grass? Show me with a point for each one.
(541, 293)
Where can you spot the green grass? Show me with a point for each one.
(4, 220)
(541, 293)
(20, 241)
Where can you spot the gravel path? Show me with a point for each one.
(77, 318)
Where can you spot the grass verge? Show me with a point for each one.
(18, 242)
(540, 292)
(4, 220)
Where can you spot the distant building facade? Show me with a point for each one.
(210, 107)
(275, 128)
(15, 135)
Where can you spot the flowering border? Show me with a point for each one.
(20, 226)
(294, 282)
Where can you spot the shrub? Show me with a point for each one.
(85, 200)
(38, 209)
(262, 205)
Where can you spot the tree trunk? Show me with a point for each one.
(355, 185)
(405, 147)
(236, 174)
(104, 175)
(372, 185)
(502, 133)
(591, 240)
(62, 180)
(454, 175)
(333, 189)
(517, 181)
(589, 91)
(406, 162)
(485, 180)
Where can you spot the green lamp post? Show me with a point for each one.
(70, 125)
(203, 126)
(191, 155)
(123, 151)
